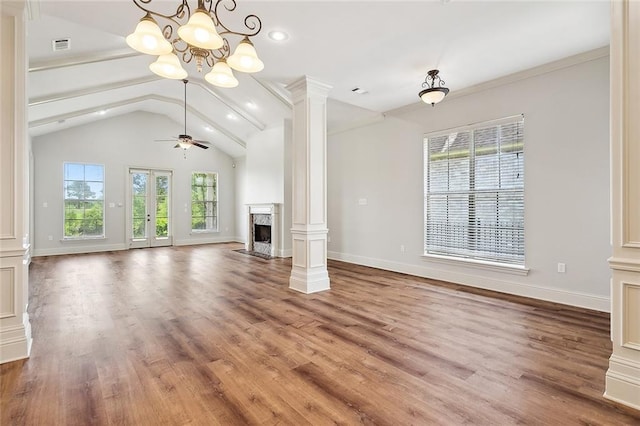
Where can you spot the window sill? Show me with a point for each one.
(72, 240)
(472, 263)
(204, 231)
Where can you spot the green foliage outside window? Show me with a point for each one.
(204, 201)
(83, 200)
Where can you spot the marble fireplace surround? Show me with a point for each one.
(263, 214)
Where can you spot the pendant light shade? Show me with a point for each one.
(433, 94)
(245, 58)
(184, 145)
(221, 75)
(168, 66)
(148, 38)
(200, 31)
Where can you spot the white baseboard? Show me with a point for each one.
(589, 301)
(623, 385)
(76, 249)
(203, 240)
(285, 253)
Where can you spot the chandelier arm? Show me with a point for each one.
(251, 22)
(223, 52)
(182, 10)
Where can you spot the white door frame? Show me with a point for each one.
(150, 240)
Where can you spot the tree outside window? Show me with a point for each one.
(204, 201)
(83, 200)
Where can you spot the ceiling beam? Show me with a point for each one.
(82, 60)
(56, 97)
(114, 105)
(230, 104)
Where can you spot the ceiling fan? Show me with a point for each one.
(185, 141)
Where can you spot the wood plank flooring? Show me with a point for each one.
(204, 335)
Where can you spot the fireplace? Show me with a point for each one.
(262, 235)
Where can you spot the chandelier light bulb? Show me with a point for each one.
(190, 36)
(245, 58)
(200, 31)
(148, 38)
(221, 75)
(184, 145)
(168, 66)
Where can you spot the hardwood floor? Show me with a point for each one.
(205, 335)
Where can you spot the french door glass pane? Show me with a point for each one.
(139, 195)
(162, 206)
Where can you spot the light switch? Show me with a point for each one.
(362, 201)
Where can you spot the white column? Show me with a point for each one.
(309, 182)
(15, 330)
(623, 376)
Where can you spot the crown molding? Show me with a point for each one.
(567, 62)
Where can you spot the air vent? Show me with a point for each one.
(359, 91)
(61, 44)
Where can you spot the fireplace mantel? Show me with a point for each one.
(256, 212)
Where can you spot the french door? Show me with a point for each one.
(149, 223)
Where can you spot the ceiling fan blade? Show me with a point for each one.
(199, 145)
(177, 146)
(166, 140)
(202, 142)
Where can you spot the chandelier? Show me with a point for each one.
(433, 94)
(199, 36)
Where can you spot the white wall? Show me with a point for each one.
(566, 186)
(265, 167)
(241, 199)
(119, 143)
(268, 177)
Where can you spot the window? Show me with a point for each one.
(204, 201)
(474, 192)
(83, 200)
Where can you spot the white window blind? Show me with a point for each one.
(474, 192)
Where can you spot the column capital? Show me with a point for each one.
(306, 85)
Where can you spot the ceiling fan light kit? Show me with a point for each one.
(185, 141)
(201, 37)
(433, 94)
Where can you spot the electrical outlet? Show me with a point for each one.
(562, 268)
(50, 237)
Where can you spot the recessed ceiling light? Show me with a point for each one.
(231, 117)
(251, 105)
(278, 35)
(208, 129)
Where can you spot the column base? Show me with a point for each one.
(622, 385)
(308, 283)
(15, 342)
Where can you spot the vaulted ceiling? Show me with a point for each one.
(383, 47)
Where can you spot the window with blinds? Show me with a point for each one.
(474, 192)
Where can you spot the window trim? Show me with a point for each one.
(103, 236)
(217, 210)
(460, 260)
(480, 264)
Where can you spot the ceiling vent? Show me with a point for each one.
(61, 44)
